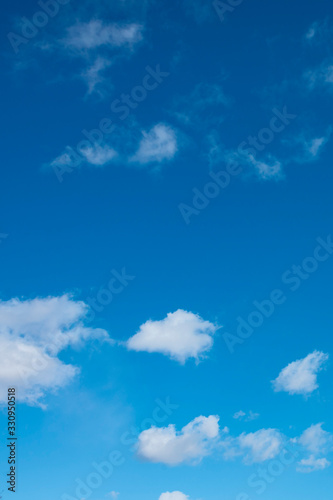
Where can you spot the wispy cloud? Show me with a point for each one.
(320, 76)
(312, 464)
(247, 417)
(305, 149)
(94, 154)
(202, 107)
(96, 33)
(93, 75)
(319, 33)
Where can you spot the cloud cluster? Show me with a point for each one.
(158, 145)
(181, 335)
(32, 334)
(203, 437)
(317, 442)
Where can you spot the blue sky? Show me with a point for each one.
(166, 249)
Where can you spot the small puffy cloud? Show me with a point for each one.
(300, 377)
(95, 154)
(96, 33)
(315, 439)
(113, 494)
(98, 155)
(32, 333)
(247, 417)
(181, 335)
(312, 464)
(174, 495)
(171, 447)
(259, 446)
(157, 145)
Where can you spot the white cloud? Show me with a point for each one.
(175, 495)
(32, 333)
(96, 33)
(181, 335)
(267, 169)
(312, 31)
(311, 464)
(320, 32)
(166, 445)
(315, 439)
(300, 377)
(99, 44)
(239, 415)
(157, 145)
(98, 154)
(309, 149)
(248, 417)
(93, 75)
(259, 446)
